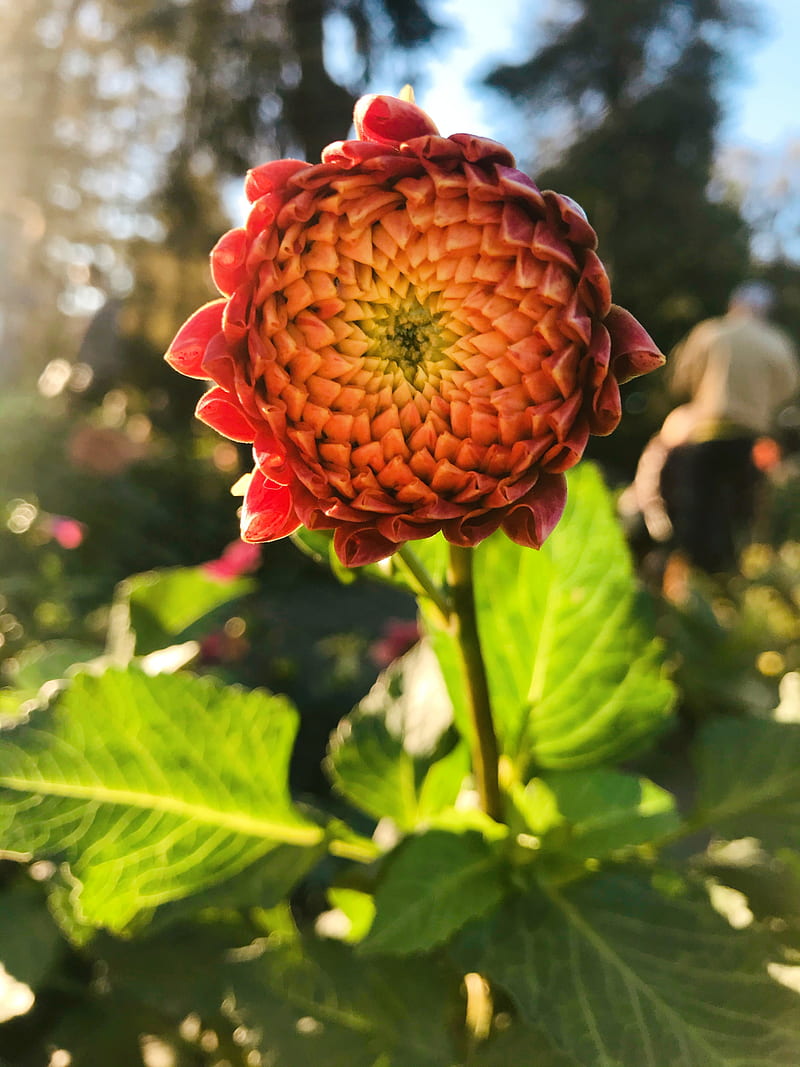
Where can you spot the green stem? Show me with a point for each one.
(465, 627)
(353, 850)
(416, 569)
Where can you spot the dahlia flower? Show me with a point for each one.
(413, 337)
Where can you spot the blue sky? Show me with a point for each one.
(762, 102)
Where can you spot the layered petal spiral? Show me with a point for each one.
(414, 338)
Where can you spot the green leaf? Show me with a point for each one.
(394, 756)
(152, 789)
(434, 884)
(618, 973)
(606, 811)
(358, 909)
(15, 705)
(517, 1045)
(42, 663)
(179, 969)
(319, 1003)
(749, 780)
(575, 675)
(29, 939)
(164, 604)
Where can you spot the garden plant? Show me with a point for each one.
(510, 865)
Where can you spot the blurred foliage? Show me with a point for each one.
(170, 898)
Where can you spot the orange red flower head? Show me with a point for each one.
(413, 337)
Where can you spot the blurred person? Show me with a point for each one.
(738, 371)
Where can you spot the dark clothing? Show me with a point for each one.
(710, 490)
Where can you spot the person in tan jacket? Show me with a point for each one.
(738, 371)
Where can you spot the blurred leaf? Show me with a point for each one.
(607, 810)
(575, 676)
(42, 663)
(29, 939)
(261, 885)
(749, 780)
(164, 604)
(771, 884)
(105, 1031)
(180, 969)
(152, 789)
(14, 705)
(357, 907)
(618, 973)
(317, 1002)
(434, 884)
(517, 1044)
(394, 756)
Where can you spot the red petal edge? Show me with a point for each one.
(228, 260)
(633, 350)
(271, 177)
(535, 517)
(267, 512)
(387, 120)
(188, 347)
(357, 548)
(218, 409)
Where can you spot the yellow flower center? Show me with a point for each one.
(407, 334)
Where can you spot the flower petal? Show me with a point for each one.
(218, 409)
(271, 177)
(358, 547)
(633, 350)
(270, 457)
(533, 519)
(267, 510)
(387, 120)
(188, 347)
(228, 260)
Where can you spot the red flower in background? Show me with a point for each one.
(413, 337)
(237, 558)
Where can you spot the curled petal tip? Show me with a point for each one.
(271, 177)
(360, 547)
(533, 519)
(228, 260)
(633, 350)
(267, 511)
(217, 409)
(185, 353)
(387, 120)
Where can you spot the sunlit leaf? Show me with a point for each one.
(576, 677)
(605, 811)
(152, 789)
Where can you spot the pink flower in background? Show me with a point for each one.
(238, 558)
(69, 533)
(414, 338)
(399, 635)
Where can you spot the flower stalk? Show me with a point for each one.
(465, 627)
(416, 572)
